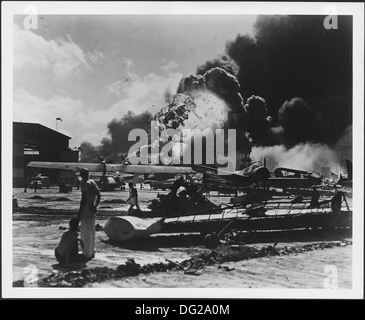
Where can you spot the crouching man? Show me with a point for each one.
(67, 250)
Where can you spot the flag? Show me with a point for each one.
(59, 119)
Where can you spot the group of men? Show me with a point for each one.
(67, 250)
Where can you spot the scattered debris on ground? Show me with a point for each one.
(59, 199)
(225, 268)
(192, 266)
(36, 198)
(98, 227)
(116, 201)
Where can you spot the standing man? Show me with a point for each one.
(315, 198)
(78, 183)
(35, 183)
(133, 198)
(26, 182)
(336, 201)
(90, 198)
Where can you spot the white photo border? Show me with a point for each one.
(214, 8)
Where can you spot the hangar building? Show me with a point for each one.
(35, 142)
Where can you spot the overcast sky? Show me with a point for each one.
(89, 69)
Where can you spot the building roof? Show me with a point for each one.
(40, 126)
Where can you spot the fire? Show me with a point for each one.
(210, 112)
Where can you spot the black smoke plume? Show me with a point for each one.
(257, 121)
(222, 61)
(290, 84)
(218, 81)
(296, 119)
(118, 143)
(89, 152)
(120, 128)
(296, 56)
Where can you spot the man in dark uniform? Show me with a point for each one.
(26, 183)
(315, 198)
(336, 202)
(133, 198)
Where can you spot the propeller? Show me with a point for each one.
(106, 159)
(124, 159)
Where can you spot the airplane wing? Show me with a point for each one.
(292, 170)
(224, 175)
(239, 178)
(122, 168)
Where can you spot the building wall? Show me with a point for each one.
(18, 164)
(52, 146)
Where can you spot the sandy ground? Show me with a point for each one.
(305, 270)
(36, 232)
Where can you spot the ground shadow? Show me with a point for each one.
(153, 243)
(156, 241)
(69, 267)
(303, 235)
(137, 245)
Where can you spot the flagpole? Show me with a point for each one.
(57, 123)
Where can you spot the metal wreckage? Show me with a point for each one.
(258, 210)
(286, 199)
(283, 200)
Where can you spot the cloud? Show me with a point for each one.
(93, 57)
(169, 66)
(64, 57)
(115, 88)
(129, 63)
(78, 121)
(141, 93)
(32, 108)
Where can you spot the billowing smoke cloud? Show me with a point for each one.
(304, 156)
(257, 121)
(333, 115)
(296, 119)
(250, 119)
(295, 56)
(119, 129)
(219, 82)
(222, 61)
(118, 143)
(295, 77)
(287, 90)
(225, 86)
(199, 109)
(343, 147)
(89, 152)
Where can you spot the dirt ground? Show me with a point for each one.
(43, 216)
